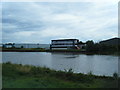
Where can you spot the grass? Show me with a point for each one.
(25, 76)
(62, 50)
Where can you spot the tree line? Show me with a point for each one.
(101, 48)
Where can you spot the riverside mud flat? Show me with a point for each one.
(25, 76)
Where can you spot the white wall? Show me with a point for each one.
(62, 45)
(59, 48)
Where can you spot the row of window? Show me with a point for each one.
(62, 42)
(61, 45)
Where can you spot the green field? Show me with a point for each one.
(25, 76)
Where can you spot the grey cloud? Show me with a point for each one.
(58, 20)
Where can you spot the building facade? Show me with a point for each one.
(64, 44)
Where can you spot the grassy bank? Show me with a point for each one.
(19, 76)
(48, 50)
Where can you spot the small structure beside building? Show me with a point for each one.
(8, 45)
(65, 44)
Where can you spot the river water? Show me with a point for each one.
(79, 63)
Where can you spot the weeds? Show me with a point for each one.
(8, 62)
(37, 74)
(90, 73)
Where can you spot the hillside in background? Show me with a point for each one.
(112, 41)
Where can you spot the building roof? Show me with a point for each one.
(112, 41)
(64, 39)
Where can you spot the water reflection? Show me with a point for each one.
(119, 65)
(60, 61)
(66, 55)
(97, 64)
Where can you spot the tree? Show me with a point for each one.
(3, 46)
(89, 46)
(22, 47)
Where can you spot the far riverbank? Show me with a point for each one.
(48, 50)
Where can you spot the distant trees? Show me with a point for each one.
(22, 47)
(80, 42)
(98, 47)
(90, 46)
(3, 46)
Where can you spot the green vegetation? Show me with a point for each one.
(100, 48)
(25, 76)
(109, 47)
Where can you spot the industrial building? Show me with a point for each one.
(65, 44)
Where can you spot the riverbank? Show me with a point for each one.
(23, 50)
(25, 76)
(58, 51)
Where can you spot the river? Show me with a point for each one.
(79, 63)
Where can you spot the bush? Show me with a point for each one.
(115, 75)
(8, 62)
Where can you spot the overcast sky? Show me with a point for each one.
(38, 22)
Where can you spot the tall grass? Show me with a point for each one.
(43, 77)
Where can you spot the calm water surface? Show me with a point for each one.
(80, 63)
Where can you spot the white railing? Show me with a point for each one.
(61, 45)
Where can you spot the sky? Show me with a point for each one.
(40, 22)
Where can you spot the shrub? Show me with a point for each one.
(115, 75)
(90, 73)
(8, 62)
